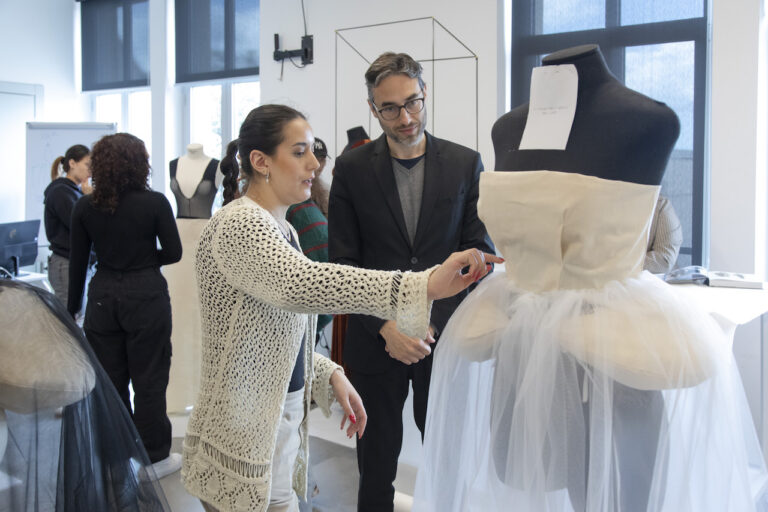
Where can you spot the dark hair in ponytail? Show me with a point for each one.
(76, 153)
(262, 130)
(231, 170)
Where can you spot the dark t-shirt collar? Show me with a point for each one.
(408, 163)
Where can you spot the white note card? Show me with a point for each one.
(552, 107)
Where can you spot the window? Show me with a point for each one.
(131, 110)
(216, 39)
(215, 112)
(655, 47)
(107, 108)
(214, 115)
(245, 97)
(140, 117)
(205, 118)
(115, 44)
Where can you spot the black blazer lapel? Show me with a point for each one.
(382, 169)
(431, 188)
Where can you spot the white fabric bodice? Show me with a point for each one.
(585, 238)
(560, 230)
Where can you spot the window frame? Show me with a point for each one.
(229, 126)
(124, 123)
(89, 44)
(182, 17)
(527, 46)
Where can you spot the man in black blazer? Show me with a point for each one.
(402, 202)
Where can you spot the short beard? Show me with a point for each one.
(411, 140)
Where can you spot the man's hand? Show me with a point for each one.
(404, 348)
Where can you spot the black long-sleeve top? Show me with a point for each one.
(124, 241)
(60, 198)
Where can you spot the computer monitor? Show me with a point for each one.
(18, 245)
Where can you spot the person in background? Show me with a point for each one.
(664, 239)
(128, 315)
(310, 220)
(356, 137)
(60, 197)
(402, 202)
(246, 445)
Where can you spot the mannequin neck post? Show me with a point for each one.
(195, 151)
(589, 62)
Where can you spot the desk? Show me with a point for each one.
(730, 306)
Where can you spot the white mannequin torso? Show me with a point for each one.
(191, 168)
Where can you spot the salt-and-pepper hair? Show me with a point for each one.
(388, 64)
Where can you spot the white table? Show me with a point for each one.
(730, 306)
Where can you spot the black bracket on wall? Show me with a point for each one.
(306, 52)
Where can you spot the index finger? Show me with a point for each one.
(492, 258)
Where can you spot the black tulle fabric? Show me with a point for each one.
(86, 456)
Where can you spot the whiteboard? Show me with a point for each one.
(46, 142)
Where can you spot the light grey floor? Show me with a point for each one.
(333, 476)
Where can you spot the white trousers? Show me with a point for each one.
(282, 496)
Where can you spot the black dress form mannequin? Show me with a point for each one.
(194, 182)
(617, 133)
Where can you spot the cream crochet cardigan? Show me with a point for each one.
(258, 299)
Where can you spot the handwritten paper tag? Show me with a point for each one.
(552, 107)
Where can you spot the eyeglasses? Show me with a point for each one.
(392, 112)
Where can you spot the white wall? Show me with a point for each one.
(737, 137)
(38, 42)
(311, 89)
(738, 168)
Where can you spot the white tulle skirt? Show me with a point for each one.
(618, 399)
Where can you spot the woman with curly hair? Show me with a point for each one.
(128, 314)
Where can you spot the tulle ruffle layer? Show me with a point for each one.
(623, 398)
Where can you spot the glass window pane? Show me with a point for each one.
(102, 34)
(104, 44)
(205, 36)
(246, 34)
(139, 40)
(205, 118)
(140, 117)
(635, 12)
(665, 72)
(554, 16)
(245, 97)
(108, 108)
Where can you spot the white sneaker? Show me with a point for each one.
(165, 467)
